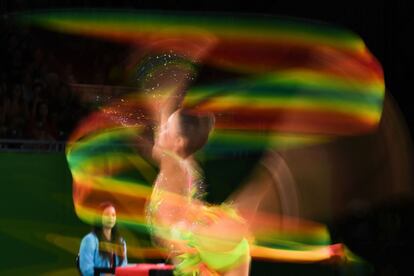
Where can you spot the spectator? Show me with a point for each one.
(41, 126)
(16, 113)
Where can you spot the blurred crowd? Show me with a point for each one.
(36, 99)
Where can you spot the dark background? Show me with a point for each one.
(386, 27)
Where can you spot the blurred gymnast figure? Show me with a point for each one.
(204, 239)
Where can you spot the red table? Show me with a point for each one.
(140, 269)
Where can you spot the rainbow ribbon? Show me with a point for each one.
(296, 83)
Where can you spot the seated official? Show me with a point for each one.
(104, 249)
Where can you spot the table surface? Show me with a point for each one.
(141, 269)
